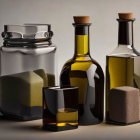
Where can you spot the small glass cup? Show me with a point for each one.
(60, 108)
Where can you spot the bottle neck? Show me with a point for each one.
(81, 40)
(125, 32)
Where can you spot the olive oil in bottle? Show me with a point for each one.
(84, 72)
(123, 64)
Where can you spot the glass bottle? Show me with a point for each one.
(123, 64)
(84, 72)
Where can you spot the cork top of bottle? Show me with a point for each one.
(81, 19)
(125, 16)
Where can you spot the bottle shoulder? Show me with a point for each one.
(124, 51)
(84, 61)
(82, 65)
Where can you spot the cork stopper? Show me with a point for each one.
(126, 16)
(81, 19)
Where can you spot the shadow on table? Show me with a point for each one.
(106, 124)
(32, 126)
(22, 125)
(29, 128)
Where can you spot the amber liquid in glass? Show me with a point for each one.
(66, 117)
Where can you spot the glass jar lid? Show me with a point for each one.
(27, 31)
(27, 35)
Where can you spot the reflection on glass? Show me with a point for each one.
(60, 108)
(88, 77)
(27, 64)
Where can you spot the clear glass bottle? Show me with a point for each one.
(84, 72)
(123, 64)
(27, 63)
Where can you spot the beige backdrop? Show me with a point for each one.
(103, 33)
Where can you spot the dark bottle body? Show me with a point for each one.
(84, 72)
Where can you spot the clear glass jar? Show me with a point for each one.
(27, 63)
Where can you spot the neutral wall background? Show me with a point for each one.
(59, 13)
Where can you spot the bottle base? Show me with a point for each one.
(120, 123)
(54, 127)
(90, 123)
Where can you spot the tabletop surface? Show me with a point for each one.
(13, 130)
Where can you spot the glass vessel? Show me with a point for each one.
(123, 64)
(27, 63)
(60, 108)
(84, 72)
